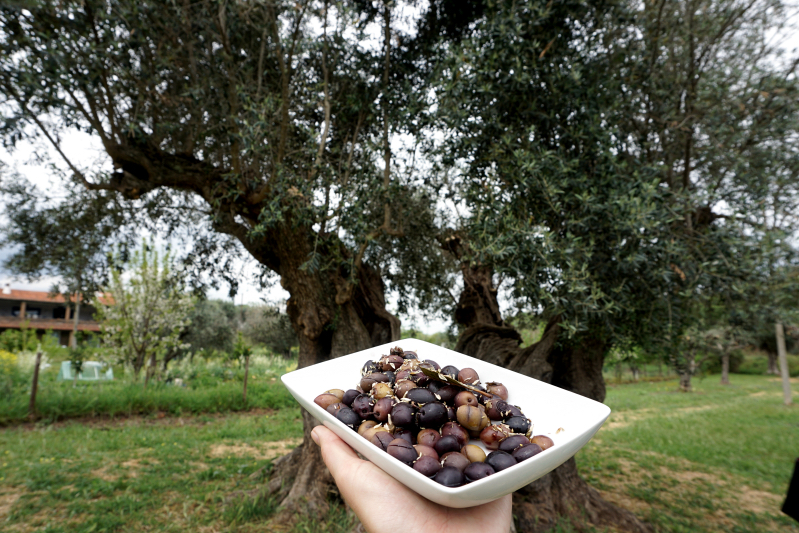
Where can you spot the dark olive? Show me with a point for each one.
(450, 371)
(426, 450)
(349, 396)
(420, 396)
(403, 415)
(369, 367)
(381, 439)
(491, 408)
(410, 355)
(433, 364)
(465, 398)
(456, 430)
(518, 424)
(432, 415)
(428, 437)
(349, 417)
(449, 477)
(525, 452)
(543, 441)
(419, 378)
(513, 442)
(364, 406)
(456, 459)
(383, 407)
(452, 414)
(499, 460)
(396, 350)
(448, 393)
(334, 407)
(468, 376)
(447, 444)
(433, 386)
(476, 471)
(403, 450)
(406, 434)
(427, 466)
(392, 377)
(325, 400)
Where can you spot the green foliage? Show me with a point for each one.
(267, 326)
(143, 313)
(19, 340)
(212, 326)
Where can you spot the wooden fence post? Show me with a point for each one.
(34, 386)
(783, 358)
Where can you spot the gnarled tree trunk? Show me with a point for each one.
(331, 320)
(562, 493)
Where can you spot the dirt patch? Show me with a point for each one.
(687, 410)
(779, 380)
(625, 418)
(7, 501)
(263, 452)
(103, 474)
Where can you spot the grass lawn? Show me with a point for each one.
(718, 459)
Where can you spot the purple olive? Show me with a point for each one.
(420, 396)
(421, 449)
(349, 396)
(513, 442)
(403, 450)
(427, 466)
(369, 367)
(499, 460)
(476, 471)
(348, 417)
(403, 415)
(410, 355)
(450, 371)
(447, 444)
(456, 459)
(518, 424)
(456, 430)
(525, 452)
(333, 408)
(432, 363)
(406, 434)
(428, 437)
(447, 393)
(381, 439)
(432, 415)
(364, 406)
(449, 477)
(468, 376)
(383, 407)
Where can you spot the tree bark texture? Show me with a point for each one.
(539, 507)
(772, 369)
(725, 369)
(334, 311)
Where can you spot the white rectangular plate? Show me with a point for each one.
(569, 419)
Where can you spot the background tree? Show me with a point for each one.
(65, 240)
(266, 325)
(143, 312)
(212, 326)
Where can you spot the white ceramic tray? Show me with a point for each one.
(549, 408)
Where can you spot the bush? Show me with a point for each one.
(758, 364)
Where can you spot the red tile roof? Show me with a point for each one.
(41, 296)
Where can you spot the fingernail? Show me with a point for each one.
(315, 436)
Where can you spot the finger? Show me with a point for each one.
(336, 453)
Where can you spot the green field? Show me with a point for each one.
(718, 459)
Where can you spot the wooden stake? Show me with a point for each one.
(246, 373)
(783, 358)
(34, 386)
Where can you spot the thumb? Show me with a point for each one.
(336, 453)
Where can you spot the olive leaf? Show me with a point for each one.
(438, 376)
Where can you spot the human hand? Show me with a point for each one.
(384, 504)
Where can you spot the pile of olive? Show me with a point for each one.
(425, 415)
